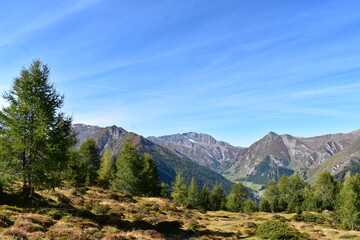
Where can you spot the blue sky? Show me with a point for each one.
(234, 69)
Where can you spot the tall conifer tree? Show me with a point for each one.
(179, 190)
(128, 164)
(349, 208)
(193, 197)
(205, 201)
(236, 198)
(35, 135)
(217, 198)
(90, 157)
(107, 169)
(150, 176)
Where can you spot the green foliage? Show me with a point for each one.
(275, 230)
(168, 163)
(128, 167)
(349, 208)
(90, 157)
(325, 191)
(217, 198)
(193, 196)
(205, 200)
(250, 206)
(271, 195)
(35, 136)
(107, 169)
(84, 164)
(179, 190)
(164, 193)
(310, 202)
(285, 195)
(135, 174)
(149, 176)
(264, 205)
(236, 198)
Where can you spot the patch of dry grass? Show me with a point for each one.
(95, 213)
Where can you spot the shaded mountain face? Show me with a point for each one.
(200, 148)
(268, 158)
(166, 161)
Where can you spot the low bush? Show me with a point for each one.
(101, 209)
(275, 230)
(308, 217)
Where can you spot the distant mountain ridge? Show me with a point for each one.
(201, 148)
(268, 158)
(166, 161)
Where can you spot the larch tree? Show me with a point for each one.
(271, 195)
(150, 177)
(179, 190)
(34, 134)
(205, 200)
(325, 191)
(236, 198)
(193, 197)
(107, 169)
(128, 171)
(90, 158)
(217, 198)
(349, 209)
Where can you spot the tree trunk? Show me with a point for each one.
(28, 190)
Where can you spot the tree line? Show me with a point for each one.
(294, 195)
(191, 196)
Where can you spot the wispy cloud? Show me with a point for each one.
(48, 18)
(129, 91)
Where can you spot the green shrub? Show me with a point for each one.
(279, 218)
(101, 209)
(275, 230)
(307, 217)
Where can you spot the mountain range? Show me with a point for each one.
(209, 160)
(269, 157)
(167, 163)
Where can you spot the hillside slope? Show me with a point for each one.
(198, 147)
(167, 162)
(268, 158)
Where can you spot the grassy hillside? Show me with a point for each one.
(94, 213)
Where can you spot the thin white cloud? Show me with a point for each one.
(47, 19)
(129, 91)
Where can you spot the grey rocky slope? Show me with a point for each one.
(167, 162)
(201, 148)
(268, 158)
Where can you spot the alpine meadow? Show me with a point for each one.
(179, 120)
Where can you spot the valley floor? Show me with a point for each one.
(94, 213)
